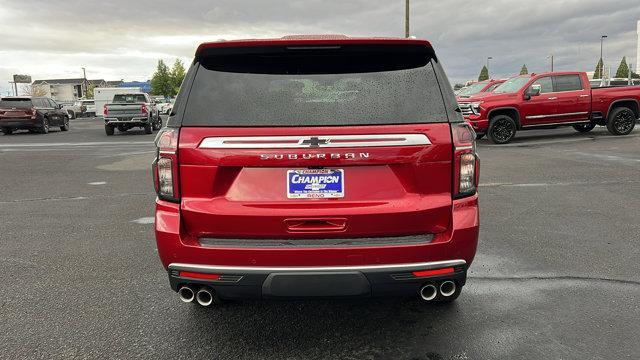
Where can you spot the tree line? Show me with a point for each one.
(165, 81)
(622, 72)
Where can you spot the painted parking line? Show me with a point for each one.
(68, 144)
(524, 143)
(566, 183)
(144, 220)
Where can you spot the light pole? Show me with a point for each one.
(551, 57)
(488, 58)
(84, 83)
(406, 19)
(602, 66)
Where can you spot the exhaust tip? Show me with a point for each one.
(428, 292)
(186, 294)
(447, 288)
(204, 297)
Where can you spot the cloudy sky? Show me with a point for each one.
(124, 39)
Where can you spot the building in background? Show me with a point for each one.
(65, 90)
(145, 86)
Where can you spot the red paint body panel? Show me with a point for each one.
(390, 193)
(459, 241)
(556, 107)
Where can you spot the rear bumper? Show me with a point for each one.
(19, 123)
(126, 120)
(313, 282)
(375, 264)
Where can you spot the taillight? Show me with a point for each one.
(465, 159)
(144, 109)
(106, 111)
(165, 166)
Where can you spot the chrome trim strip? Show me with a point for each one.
(321, 141)
(560, 123)
(219, 269)
(552, 115)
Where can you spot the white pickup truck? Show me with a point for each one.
(127, 111)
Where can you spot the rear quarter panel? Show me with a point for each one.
(602, 99)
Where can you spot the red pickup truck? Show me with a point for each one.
(316, 166)
(481, 87)
(549, 100)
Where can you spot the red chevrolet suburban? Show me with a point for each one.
(316, 166)
(546, 100)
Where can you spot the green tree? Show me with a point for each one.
(524, 70)
(89, 93)
(623, 69)
(177, 75)
(161, 82)
(484, 74)
(599, 67)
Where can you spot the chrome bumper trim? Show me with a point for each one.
(218, 269)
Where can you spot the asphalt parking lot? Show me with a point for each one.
(557, 274)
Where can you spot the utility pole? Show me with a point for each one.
(14, 87)
(602, 66)
(551, 57)
(489, 58)
(84, 83)
(406, 19)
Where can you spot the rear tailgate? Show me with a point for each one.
(125, 110)
(15, 109)
(395, 190)
(343, 141)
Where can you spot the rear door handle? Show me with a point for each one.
(316, 224)
(553, 98)
(584, 95)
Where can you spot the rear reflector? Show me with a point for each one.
(199, 275)
(433, 272)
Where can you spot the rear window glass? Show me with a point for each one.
(315, 88)
(16, 103)
(568, 83)
(128, 98)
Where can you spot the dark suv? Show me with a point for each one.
(36, 114)
(315, 167)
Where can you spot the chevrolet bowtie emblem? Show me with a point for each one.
(314, 141)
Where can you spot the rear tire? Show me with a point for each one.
(584, 128)
(621, 121)
(109, 129)
(148, 129)
(65, 125)
(72, 114)
(44, 127)
(7, 131)
(157, 125)
(502, 129)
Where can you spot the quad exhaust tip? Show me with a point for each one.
(428, 292)
(447, 288)
(204, 297)
(186, 294)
